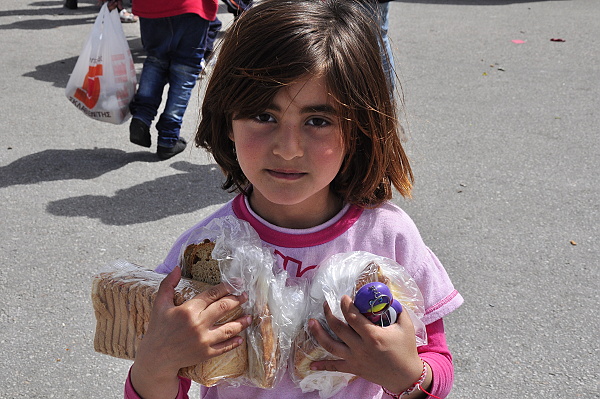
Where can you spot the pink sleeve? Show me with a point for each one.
(184, 387)
(439, 358)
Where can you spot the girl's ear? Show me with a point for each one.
(230, 135)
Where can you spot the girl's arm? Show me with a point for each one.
(184, 387)
(439, 359)
(181, 336)
(387, 356)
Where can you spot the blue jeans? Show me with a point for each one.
(175, 48)
(383, 18)
(380, 13)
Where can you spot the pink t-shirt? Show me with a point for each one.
(385, 231)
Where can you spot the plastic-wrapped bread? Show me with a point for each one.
(226, 249)
(344, 274)
(261, 350)
(263, 345)
(123, 300)
(307, 350)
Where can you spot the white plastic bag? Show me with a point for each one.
(104, 79)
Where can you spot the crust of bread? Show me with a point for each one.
(307, 351)
(199, 264)
(231, 364)
(263, 350)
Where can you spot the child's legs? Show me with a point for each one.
(383, 18)
(182, 80)
(156, 35)
(187, 51)
(214, 28)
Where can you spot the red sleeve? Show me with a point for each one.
(439, 358)
(184, 387)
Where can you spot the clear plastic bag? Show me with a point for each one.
(246, 266)
(103, 81)
(339, 275)
(122, 297)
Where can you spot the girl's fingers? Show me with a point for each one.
(348, 333)
(166, 290)
(228, 335)
(356, 320)
(215, 302)
(211, 295)
(336, 348)
(331, 365)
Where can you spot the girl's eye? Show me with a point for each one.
(318, 122)
(264, 118)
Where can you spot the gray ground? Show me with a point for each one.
(505, 148)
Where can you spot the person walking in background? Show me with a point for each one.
(174, 35)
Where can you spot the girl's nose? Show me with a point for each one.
(288, 143)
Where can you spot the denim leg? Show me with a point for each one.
(182, 79)
(214, 28)
(187, 51)
(388, 57)
(380, 13)
(155, 35)
(149, 94)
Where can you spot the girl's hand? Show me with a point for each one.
(386, 356)
(181, 336)
(112, 4)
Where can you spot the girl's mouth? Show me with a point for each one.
(286, 174)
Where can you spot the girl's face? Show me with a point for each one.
(290, 153)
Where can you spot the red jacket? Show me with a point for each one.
(207, 9)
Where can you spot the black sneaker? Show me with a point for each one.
(71, 4)
(139, 133)
(168, 152)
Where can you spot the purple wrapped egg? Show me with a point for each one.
(375, 302)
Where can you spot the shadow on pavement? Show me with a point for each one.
(50, 14)
(165, 196)
(82, 164)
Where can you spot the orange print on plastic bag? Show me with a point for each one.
(89, 93)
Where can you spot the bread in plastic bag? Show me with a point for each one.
(123, 296)
(246, 266)
(343, 274)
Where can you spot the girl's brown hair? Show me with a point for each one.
(276, 43)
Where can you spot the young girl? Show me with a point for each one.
(299, 117)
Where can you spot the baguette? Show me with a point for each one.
(263, 348)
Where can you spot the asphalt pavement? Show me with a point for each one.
(501, 103)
